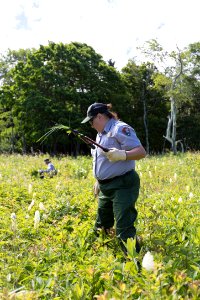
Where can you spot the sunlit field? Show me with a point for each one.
(48, 249)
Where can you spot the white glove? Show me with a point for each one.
(115, 154)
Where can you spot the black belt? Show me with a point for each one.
(113, 178)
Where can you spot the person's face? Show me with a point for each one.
(98, 122)
(92, 121)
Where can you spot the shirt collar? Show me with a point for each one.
(107, 126)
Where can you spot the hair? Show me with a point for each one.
(111, 114)
(46, 160)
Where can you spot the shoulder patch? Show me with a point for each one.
(126, 131)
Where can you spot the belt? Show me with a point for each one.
(113, 178)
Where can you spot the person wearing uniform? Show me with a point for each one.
(117, 180)
(51, 170)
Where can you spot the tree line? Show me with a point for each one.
(56, 83)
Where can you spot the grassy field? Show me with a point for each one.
(48, 249)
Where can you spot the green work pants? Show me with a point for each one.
(116, 204)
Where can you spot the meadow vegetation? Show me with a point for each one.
(48, 249)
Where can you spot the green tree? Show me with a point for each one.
(148, 109)
(173, 66)
(56, 84)
(7, 130)
(190, 110)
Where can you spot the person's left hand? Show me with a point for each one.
(115, 154)
(96, 189)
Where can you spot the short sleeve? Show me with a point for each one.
(127, 137)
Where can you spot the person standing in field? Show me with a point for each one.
(117, 181)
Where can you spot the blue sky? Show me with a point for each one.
(114, 28)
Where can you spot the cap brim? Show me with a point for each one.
(86, 119)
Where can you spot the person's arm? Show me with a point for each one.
(136, 153)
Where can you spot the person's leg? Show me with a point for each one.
(125, 213)
(105, 216)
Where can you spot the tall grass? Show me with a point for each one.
(61, 258)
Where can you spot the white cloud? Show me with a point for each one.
(114, 28)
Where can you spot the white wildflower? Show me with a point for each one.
(172, 198)
(191, 195)
(140, 174)
(0, 176)
(36, 219)
(31, 204)
(175, 176)
(30, 188)
(170, 180)
(13, 221)
(41, 206)
(148, 262)
(58, 186)
(180, 199)
(8, 277)
(13, 216)
(44, 216)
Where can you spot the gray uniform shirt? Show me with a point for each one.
(116, 134)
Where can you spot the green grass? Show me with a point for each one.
(60, 258)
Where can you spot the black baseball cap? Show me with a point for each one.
(94, 109)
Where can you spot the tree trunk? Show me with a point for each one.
(23, 143)
(145, 118)
(12, 139)
(173, 113)
(171, 126)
